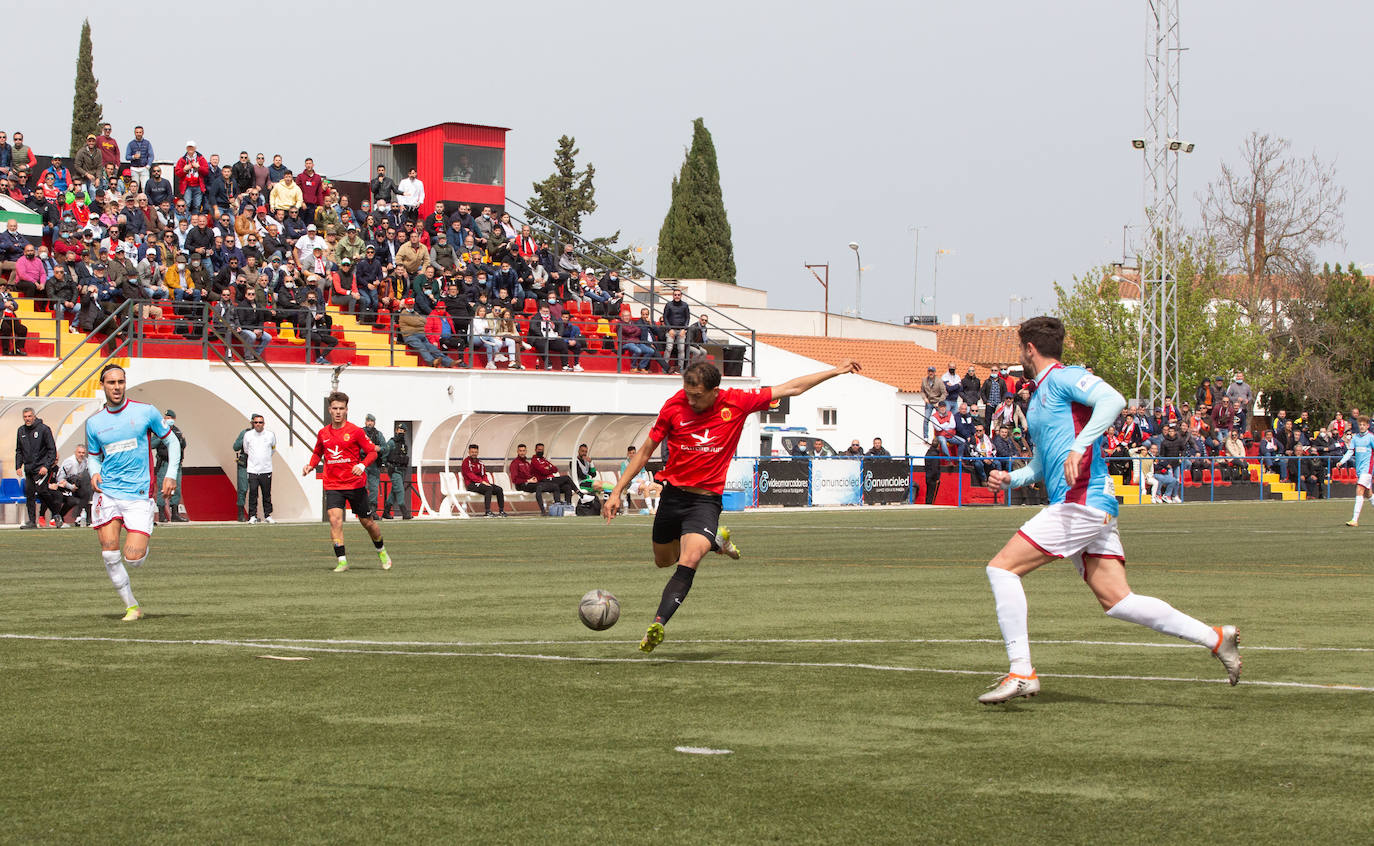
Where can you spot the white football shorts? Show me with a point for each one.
(135, 514)
(1364, 480)
(1070, 530)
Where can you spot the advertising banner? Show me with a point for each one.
(784, 482)
(740, 477)
(886, 480)
(835, 481)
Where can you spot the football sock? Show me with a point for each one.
(1163, 618)
(1010, 598)
(379, 544)
(674, 592)
(114, 565)
(339, 553)
(1359, 504)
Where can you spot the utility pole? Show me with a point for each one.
(916, 272)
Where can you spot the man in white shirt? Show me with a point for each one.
(308, 242)
(74, 484)
(258, 445)
(412, 195)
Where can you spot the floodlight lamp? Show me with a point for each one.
(854, 245)
(1188, 146)
(1175, 144)
(1138, 143)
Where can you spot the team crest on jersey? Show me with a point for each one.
(348, 437)
(726, 414)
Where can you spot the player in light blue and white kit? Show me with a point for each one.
(121, 466)
(1362, 450)
(1068, 413)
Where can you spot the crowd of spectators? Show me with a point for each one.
(239, 245)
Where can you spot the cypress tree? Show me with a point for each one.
(694, 242)
(87, 116)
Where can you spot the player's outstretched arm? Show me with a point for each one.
(802, 384)
(638, 463)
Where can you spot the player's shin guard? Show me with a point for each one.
(674, 592)
(1012, 615)
(114, 566)
(1163, 618)
(1359, 504)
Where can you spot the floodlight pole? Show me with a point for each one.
(825, 283)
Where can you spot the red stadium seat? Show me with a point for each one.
(530, 306)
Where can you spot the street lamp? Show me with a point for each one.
(916, 270)
(935, 283)
(858, 280)
(1022, 301)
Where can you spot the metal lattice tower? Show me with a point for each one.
(1157, 367)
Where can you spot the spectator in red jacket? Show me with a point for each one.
(476, 480)
(312, 188)
(191, 172)
(109, 148)
(523, 477)
(545, 471)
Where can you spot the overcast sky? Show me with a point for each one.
(1001, 127)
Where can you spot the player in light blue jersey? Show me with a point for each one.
(119, 439)
(1068, 413)
(1362, 450)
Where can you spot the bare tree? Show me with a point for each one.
(1267, 215)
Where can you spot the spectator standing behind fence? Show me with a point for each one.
(1239, 391)
(993, 390)
(855, 448)
(877, 449)
(411, 195)
(139, 152)
(259, 444)
(677, 316)
(953, 387)
(971, 389)
(168, 508)
(933, 393)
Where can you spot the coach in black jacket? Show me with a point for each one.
(35, 452)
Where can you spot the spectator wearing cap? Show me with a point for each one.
(442, 254)
(344, 286)
(350, 246)
(308, 242)
(87, 165)
(172, 505)
(411, 328)
(61, 177)
(286, 194)
(192, 171)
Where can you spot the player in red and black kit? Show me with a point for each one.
(702, 424)
(346, 450)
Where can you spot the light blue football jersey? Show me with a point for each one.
(1362, 447)
(1059, 409)
(119, 438)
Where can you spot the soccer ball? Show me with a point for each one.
(598, 610)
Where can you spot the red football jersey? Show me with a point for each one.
(700, 446)
(342, 448)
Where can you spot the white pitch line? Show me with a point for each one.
(804, 640)
(529, 656)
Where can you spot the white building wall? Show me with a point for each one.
(213, 406)
(867, 408)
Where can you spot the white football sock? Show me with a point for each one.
(1359, 504)
(114, 565)
(1163, 618)
(1010, 597)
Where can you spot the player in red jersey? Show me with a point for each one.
(702, 424)
(346, 450)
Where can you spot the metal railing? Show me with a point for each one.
(115, 326)
(606, 260)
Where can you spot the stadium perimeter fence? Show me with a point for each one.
(802, 481)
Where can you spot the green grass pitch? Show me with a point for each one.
(457, 699)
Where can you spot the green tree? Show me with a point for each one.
(1324, 348)
(564, 199)
(87, 115)
(694, 242)
(1213, 333)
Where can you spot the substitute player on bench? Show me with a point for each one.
(346, 450)
(1068, 413)
(702, 424)
(121, 467)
